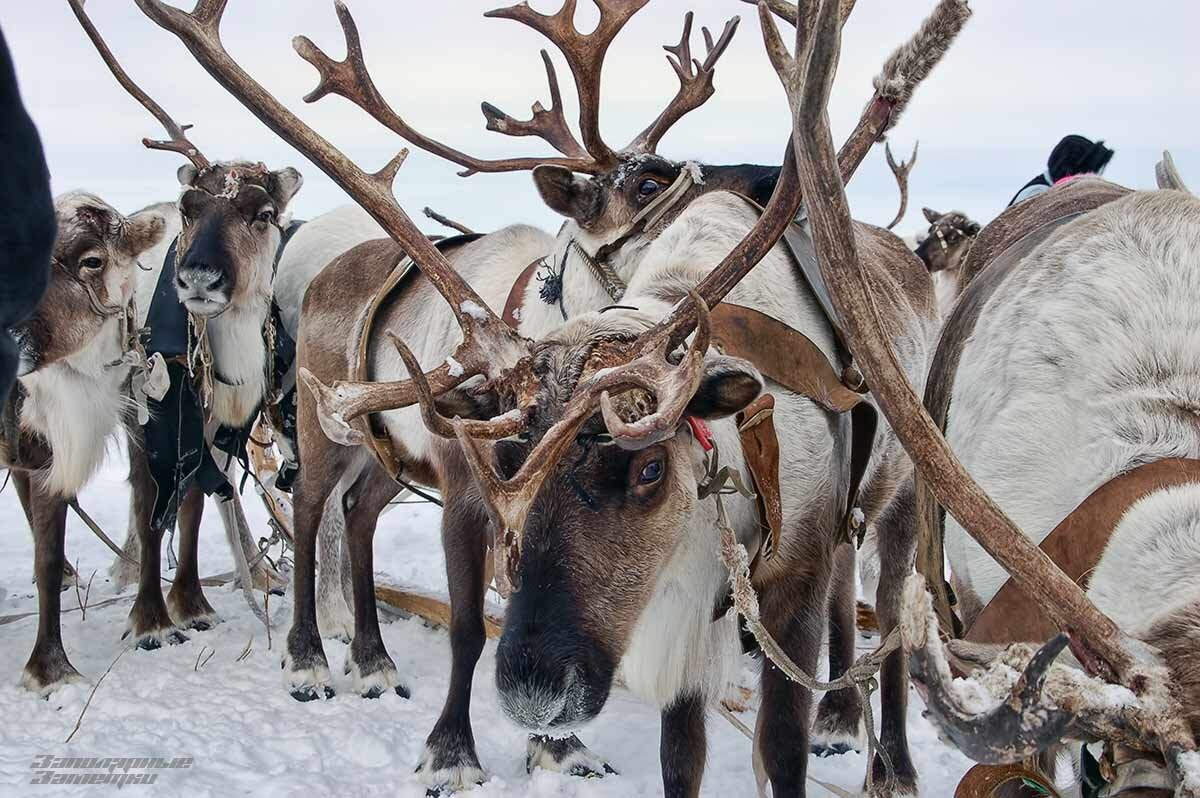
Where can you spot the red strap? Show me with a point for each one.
(701, 431)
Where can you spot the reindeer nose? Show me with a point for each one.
(200, 279)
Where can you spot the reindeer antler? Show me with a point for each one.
(1047, 703)
(695, 81)
(550, 125)
(641, 365)
(350, 78)
(178, 141)
(901, 171)
(489, 347)
(584, 54)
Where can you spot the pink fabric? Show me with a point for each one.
(1067, 179)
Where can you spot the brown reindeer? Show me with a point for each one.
(610, 215)
(205, 292)
(942, 249)
(71, 397)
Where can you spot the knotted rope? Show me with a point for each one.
(721, 481)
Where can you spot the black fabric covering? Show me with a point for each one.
(167, 317)
(174, 435)
(175, 448)
(27, 223)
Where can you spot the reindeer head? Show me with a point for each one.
(231, 211)
(231, 232)
(92, 279)
(609, 516)
(947, 241)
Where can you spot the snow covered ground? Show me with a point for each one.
(247, 736)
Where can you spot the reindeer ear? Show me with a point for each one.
(284, 185)
(728, 385)
(187, 175)
(567, 193)
(142, 231)
(931, 215)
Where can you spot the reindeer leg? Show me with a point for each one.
(839, 725)
(149, 622)
(24, 490)
(185, 601)
(305, 666)
(334, 616)
(371, 669)
(897, 548)
(124, 570)
(48, 667)
(449, 762)
(793, 613)
(237, 532)
(682, 747)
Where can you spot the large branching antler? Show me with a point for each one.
(584, 53)
(1096, 641)
(177, 133)
(1023, 701)
(549, 125)
(349, 78)
(489, 347)
(894, 87)
(695, 81)
(614, 368)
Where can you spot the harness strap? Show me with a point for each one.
(378, 441)
(1075, 546)
(782, 354)
(760, 447)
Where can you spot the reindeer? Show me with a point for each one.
(549, 393)
(223, 236)
(631, 199)
(1109, 462)
(942, 248)
(71, 397)
(26, 217)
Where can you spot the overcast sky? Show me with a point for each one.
(1024, 73)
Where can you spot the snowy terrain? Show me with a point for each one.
(247, 736)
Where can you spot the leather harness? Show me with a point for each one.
(1076, 545)
(378, 441)
(782, 353)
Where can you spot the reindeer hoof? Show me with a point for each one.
(312, 693)
(441, 779)
(835, 743)
(44, 677)
(202, 624)
(564, 755)
(307, 678)
(383, 677)
(152, 641)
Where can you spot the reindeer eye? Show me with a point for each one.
(266, 216)
(651, 472)
(648, 187)
(91, 263)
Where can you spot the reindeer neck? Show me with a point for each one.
(239, 357)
